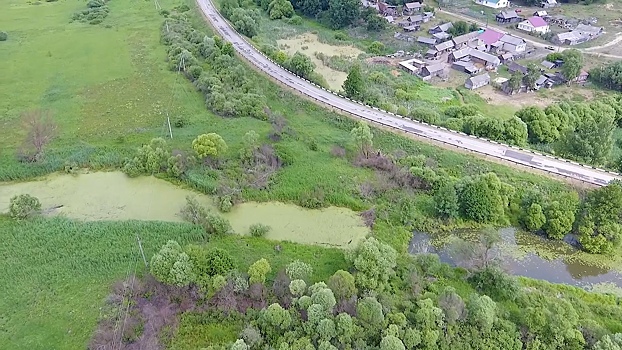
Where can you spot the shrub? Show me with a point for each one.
(259, 230)
(3, 36)
(225, 204)
(217, 225)
(341, 36)
(24, 206)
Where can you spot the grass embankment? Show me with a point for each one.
(117, 99)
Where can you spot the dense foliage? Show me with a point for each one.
(95, 13)
(24, 206)
(209, 63)
(609, 76)
(420, 304)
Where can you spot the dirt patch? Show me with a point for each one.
(309, 44)
(495, 97)
(395, 73)
(609, 6)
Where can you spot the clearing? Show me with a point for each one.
(309, 44)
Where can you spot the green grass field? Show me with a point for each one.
(110, 90)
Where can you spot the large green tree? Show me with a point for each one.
(354, 86)
(209, 145)
(363, 138)
(342, 13)
(301, 65)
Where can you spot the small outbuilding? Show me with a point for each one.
(477, 82)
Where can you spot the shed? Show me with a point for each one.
(444, 46)
(412, 7)
(441, 28)
(508, 17)
(432, 71)
(477, 81)
(441, 36)
(426, 41)
(547, 64)
(515, 67)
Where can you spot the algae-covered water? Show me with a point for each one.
(114, 196)
(528, 255)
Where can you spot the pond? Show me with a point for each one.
(114, 196)
(528, 255)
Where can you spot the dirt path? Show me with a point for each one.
(589, 51)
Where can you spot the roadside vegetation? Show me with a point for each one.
(239, 137)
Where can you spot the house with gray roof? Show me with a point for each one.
(463, 40)
(477, 81)
(426, 41)
(434, 70)
(444, 46)
(441, 28)
(508, 17)
(513, 43)
(412, 8)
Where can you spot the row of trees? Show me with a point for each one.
(609, 76)
(377, 304)
(228, 88)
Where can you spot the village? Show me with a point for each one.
(480, 50)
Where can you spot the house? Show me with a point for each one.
(547, 64)
(426, 41)
(542, 82)
(459, 55)
(444, 46)
(477, 82)
(506, 57)
(513, 43)
(416, 19)
(490, 61)
(412, 8)
(412, 28)
(427, 16)
(508, 17)
(441, 28)
(570, 38)
(413, 66)
(441, 36)
(582, 78)
(465, 66)
(390, 19)
(387, 10)
(542, 14)
(588, 30)
(428, 72)
(555, 78)
(515, 67)
(548, 3)
(432, 54)
(495, 4)
(490, 36)
(534, 24)
(463, 40)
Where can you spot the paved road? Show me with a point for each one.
(534, 43)
(481, 146)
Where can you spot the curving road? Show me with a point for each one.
(484, 147)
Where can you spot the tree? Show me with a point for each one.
(258, 270)
(515, 81)
(559, 219)
(369, 313)
(363, 138)
(482, 312)
(245, 21)
(209, 145)
(323, 296)
(297, 287)
(298, 270)
(515, 131)
(171, 265)
(3, 36)
(239, 345)
(280, 9)
(251, 336)
(274, 321)
(459, 28)
(342, 13)
(591, 140)
(326, 330)
(452, 305)
(540, 127)
(573, 63)
(40, 130)
(600, 229)
(345, 328)
(609, 342)
(376, 23)
(354, 87)
(300, 64)
(374, 262)
(342, 284)
(446, 202)
(534, 218)
(429, 321)
(391, 342)
(610, 76)
(483, 198)
(250, 143)
(24, 206)
(210, 262)
(533, 73)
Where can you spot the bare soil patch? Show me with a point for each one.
(309, 44)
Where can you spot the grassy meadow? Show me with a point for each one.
(109, 89)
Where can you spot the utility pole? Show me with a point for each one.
(142, 252)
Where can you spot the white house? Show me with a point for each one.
(513, 43)
(495, 4)
(534, 24)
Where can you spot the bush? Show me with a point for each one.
(217, 225)
(341, 36)
(259, 230)
(3, 36)
(24, 206)
(225, 204)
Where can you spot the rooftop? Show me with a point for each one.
(508, 14)
(537, 21)
(490, 36)
(480, 79)
(413, 5)
(435, 67)
(511, 39)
